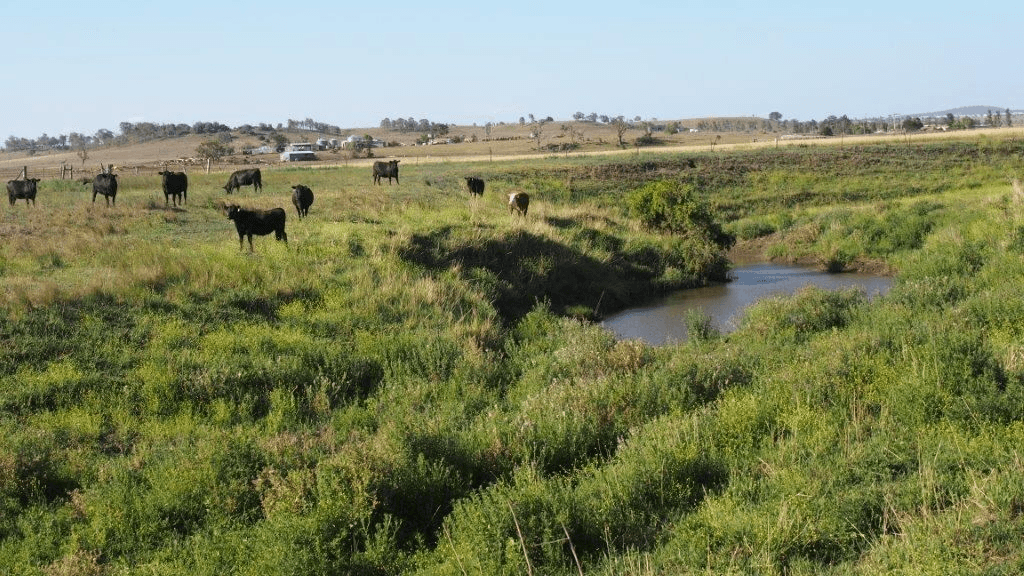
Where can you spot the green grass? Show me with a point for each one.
(414, 384)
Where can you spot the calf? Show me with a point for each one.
(387, 170)
(302, 198)
(258, 222)
(518, 202)
(26, 189)
(175, 187)
(105, 184)
(250, 177)
(475, 185)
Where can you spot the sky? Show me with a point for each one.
(85, 66)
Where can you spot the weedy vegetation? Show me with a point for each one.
(416, 383)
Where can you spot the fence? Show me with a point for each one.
(69, 171)
(76, 171)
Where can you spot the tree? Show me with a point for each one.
(279, 139)
(579, 116)
(912, 124)
(1009, 118)
(775, 116)
(621, 126)
(538, 129)
(104, 136)
(214, 150)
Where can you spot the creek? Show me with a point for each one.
(663, 321)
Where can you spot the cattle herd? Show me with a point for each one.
(248, 222)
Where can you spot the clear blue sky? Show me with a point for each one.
(83, 66)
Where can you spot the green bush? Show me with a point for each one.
(675, 207)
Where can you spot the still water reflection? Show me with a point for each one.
(663, 320)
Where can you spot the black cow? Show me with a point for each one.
(105, 184)
(387, 170)
(302, 198)
(518, 202)
(258, 222)
(239, 178)
(475, 185)
(22, 189)
(175, 187)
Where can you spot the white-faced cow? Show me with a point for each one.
(105, 184)
(302, 198)
(518, 202)
(239, 178)
(258, 222)
(175, 187)
(475, 185)
(17, 189)
(382, 170)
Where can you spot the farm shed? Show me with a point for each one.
(297, 152)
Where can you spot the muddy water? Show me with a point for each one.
(664, 320)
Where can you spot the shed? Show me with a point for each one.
(298, 151)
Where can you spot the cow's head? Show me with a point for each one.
(232, 211)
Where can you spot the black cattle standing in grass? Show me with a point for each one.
(382, 170)
(475, 185)
(302, 198)
(258, 222)
(105, 184)
(250, 177)
(175, 187)
(518, 202)
(17, 189)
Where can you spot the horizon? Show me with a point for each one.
(458, 63)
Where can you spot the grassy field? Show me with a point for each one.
(415, 384)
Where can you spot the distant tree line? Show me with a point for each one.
(594, 117)
(313, 125)
(410, 124)
(130, 132)
(831, 126)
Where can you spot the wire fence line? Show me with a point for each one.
(77, 171)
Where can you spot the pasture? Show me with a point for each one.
(414, 384)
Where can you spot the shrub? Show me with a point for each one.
(676, 208)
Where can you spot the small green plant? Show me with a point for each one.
(700, 326)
